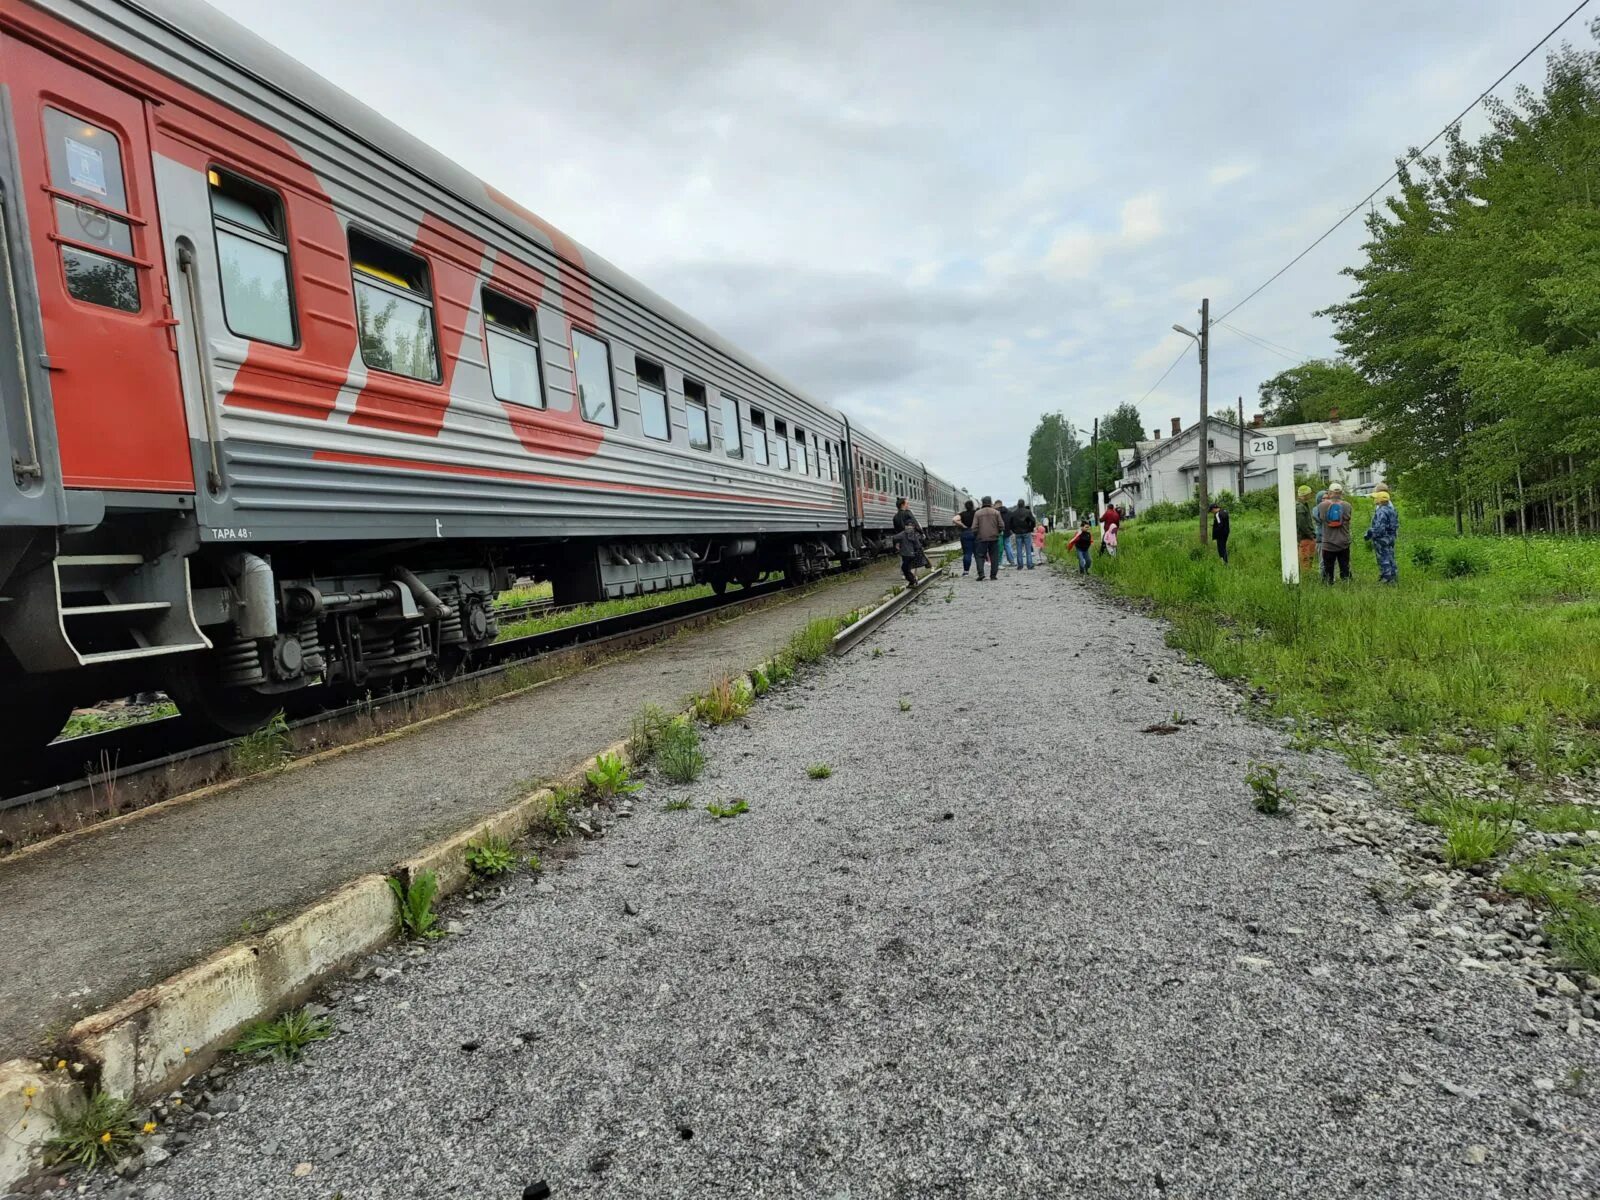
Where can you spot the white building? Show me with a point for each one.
(1168, 469)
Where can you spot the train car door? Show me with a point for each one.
(90, 195)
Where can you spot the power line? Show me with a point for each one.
(1263, 344)
(1414, 155)
(1187, 347)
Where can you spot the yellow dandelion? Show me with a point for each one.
(186, 1050)
(149, 1126)
(106, 1137)
(177, 1101)
(30, 1092)
(61, 1064)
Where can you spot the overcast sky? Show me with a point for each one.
(944, 218)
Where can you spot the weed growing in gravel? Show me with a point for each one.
(681, 804)
(1473, 837)
(415, 905)
(644, 737)
(1576, 933)
(950, 596)
(815, 641)
(680, 758)
(782, 667)
(1267, 790)
(609, 777)
(727, 810)
(490, 857)
(264, 749)
(557, 819)
(99, 1133)
(534, 863)
(728, 700)
(905, 705)
(760, 682)
(819, 771)
(1543, 880)
(284, 1038)
(877, 652)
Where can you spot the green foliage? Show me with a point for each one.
(490, 857)
(680, 759)
(815, 641)
(728, 699)
(819, 771)
(760, 682)
(558, 808)
(1423, 555)
(877, 652)
(284, 1038)
(1267, 790)
(1460, 562)
(721, 811)
(1056, 441)
(97, 1133)
(682, 804)
(1473, 836)
(534, 863)
(266, 748)
(609, 777)
(584, 613)
(1576, 934)
(905, 705)
(1473, 315)
(1312, 390)
(649, 726)
(1543, 880)
(414, 905)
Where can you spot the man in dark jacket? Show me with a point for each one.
(1005, 528)
(1333, 517)
(908, 535)
(988, 528)
(1021, 525)
(969, 543)
(1219, 530)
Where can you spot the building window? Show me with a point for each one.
(780, 444)
(653, 400)
(394, 309)
(86, 164)
(732, 437)
(511, 334)
(253, 257)
(758, 436)
(696, 415)
(1326, 474)
(591, 360)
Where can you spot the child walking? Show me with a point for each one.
(1082, 544)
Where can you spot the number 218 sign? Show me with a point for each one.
(1263, 446)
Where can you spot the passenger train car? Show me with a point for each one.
(288, 396)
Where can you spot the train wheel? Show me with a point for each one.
(719, 584)
(224, 711)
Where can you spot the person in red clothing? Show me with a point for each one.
(1111, 518)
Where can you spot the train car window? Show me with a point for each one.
(253, 259)
(758, 435)
(801, 463)
(653, 400)
(86, 165)
(780, 441)
(511, 334)
(592, 359)
(696, 415)
(394, 309)
(732, 436)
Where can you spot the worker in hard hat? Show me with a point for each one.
(1381, 533)
(1304, 528)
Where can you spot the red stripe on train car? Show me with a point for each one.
(347, 458)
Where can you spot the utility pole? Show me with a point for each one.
(1205, 429)
(1241, 449)
(1094, 451)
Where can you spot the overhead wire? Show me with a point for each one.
(1264, 344)
(1411, 158)
(1167, 372)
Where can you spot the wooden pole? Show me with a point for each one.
(1204, 460)
(1241, 451)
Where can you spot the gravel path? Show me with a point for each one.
(1012, 947)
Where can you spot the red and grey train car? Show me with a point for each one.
(288, 396)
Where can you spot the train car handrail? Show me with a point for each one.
(31, 469)
(186, 264)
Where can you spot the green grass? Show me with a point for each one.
(1576, 933)
(98, 720)
(721, 811)
(681, 804)
(1511, 650)
(97, 1133)
(727, 700)
(1471, 838)
(680, 757)
(1543, 880)
(814, 642)
(266, 748)
(284, 1038)
(414, 905)
(1267, 791)
(523, 595)
(557, 817)
(818, 771)
(609, 777)
(594, 612)
(649, 727)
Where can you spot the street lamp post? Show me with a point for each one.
(1203, 340)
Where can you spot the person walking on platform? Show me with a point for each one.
(1381, 533)
(1022, 524)
(1081, 543)
(1333, 514)
(1038, 539)
(1220, 530)
(1005, 530)
(1304, 527)
(1108, 539)
(969, 540)
(988, 529)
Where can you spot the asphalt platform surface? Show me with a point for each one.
(90, 921)
(1011, 947)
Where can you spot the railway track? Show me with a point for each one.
(136, 765)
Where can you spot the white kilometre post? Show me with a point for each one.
(1281, 446)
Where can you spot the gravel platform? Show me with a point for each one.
(1012, 947)
(85, 923)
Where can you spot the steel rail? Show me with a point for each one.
(851, 636)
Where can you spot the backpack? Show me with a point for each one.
(1335, 515)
